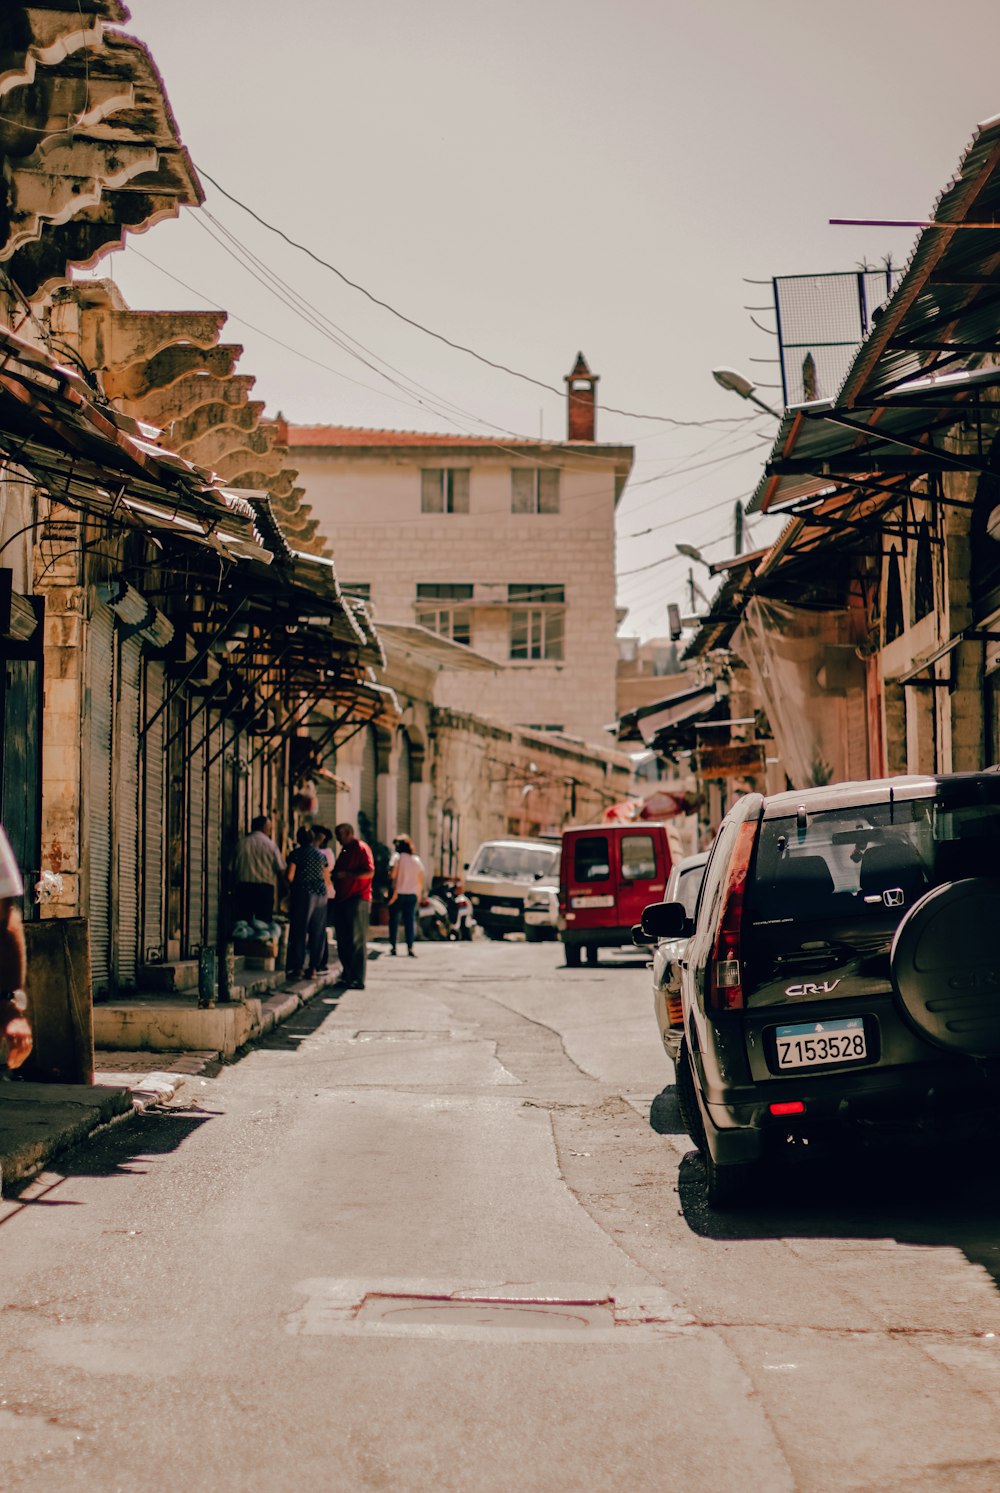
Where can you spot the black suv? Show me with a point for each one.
(842, 971)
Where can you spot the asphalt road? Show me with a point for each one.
(445, 1234)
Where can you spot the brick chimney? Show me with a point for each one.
(581, 397)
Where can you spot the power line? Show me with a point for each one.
(439, 336)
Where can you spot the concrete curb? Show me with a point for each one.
(40, 1120)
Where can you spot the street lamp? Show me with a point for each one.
(690, 553)
(738, 383)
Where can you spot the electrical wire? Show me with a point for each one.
(439, 336)
(412, 401)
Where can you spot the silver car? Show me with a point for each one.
(683, 886)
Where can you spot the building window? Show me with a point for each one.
(537, 621)
(534, 490)
(893, 621)
(444, 490)
(437, 611)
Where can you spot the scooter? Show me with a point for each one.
(432, 918)
(458, 909)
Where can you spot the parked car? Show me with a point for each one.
(541, 910)
(499, 877)
(683, 886)
(607, 875)
(840, 979)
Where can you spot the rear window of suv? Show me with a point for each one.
(877, 858)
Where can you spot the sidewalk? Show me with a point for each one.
(39, 1121)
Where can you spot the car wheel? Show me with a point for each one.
(593, 953)
(493, 933)
(730, 1186)
(532, 934)
(687, 1103)
(466, 932)
(572, 952)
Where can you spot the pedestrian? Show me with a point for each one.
(406, 873)
(307, 901)
(352, 886)
(15, 1029)
(321, 836)
(258, 864)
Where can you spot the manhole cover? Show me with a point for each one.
(517, 1316)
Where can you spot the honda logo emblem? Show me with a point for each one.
(893, 897)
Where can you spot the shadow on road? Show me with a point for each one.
(664, 1115)
(937, 1197)
(290, 1035)
(125, 1150)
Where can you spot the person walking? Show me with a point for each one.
(306, 908)
(321, 837)
(258, 864)
(353, 871)
(406, 872)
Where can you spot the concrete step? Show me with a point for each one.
(179, 974)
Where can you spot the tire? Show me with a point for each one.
(687, 1102)
(466, 933)
(494, 933)
(593, 953)
(572, 953)
(532, 934)
(730, 1186)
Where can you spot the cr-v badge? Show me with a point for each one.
(826, 988)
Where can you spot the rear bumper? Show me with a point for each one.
(919, 1100)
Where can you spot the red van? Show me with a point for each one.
(607, 874)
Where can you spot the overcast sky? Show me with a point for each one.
(534, 178)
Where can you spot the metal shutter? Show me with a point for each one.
(126, 809)
(100, 689)
(196, 836)
(153, 811)
(213, 834)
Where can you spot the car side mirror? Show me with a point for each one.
(666, 920)
(641, 939)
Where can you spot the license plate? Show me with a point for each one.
(504, 912)
(592, 901)
(812, 1044)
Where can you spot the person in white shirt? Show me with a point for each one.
(259, 863)
(406, 873)
(15, 1029)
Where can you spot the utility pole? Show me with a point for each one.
(691, 589)
(738, 529)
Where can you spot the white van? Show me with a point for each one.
(500, 875)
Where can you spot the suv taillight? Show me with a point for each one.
(724, 985)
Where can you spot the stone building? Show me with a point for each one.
(506, 546)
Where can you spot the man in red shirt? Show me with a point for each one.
(352, 888)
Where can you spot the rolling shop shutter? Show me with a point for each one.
(153, 814)
(126, 812)
(213, 833)
(100, 686)
(196, 836)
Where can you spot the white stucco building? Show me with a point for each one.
(504, 545)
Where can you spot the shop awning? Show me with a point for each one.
(650, 720)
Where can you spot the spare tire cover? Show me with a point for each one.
(945, 964)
